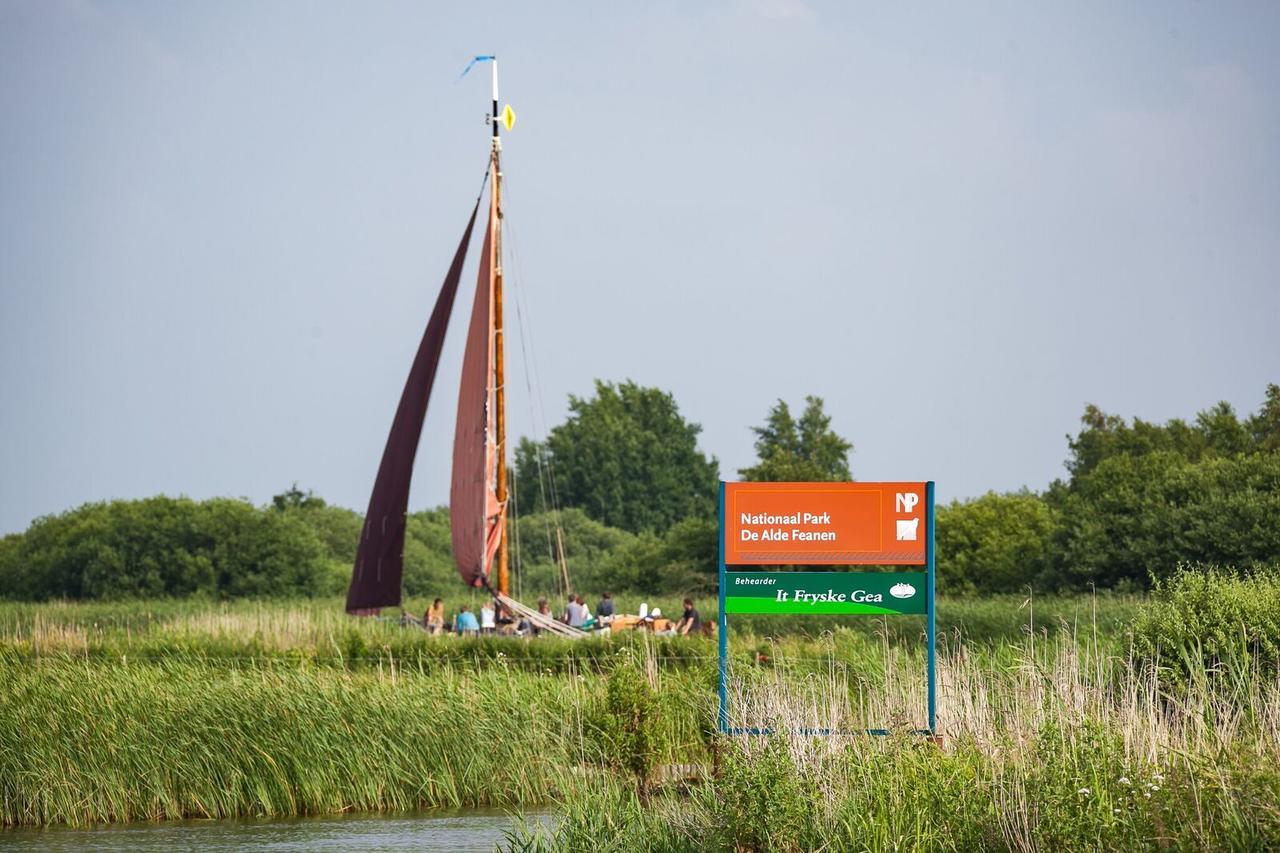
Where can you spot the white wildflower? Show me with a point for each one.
(1147, 795)
(1155, 787)
(1123, 780)
(1084, 792)
(1115, 811)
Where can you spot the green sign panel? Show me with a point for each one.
(826, 592)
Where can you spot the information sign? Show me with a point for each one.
(827, 524)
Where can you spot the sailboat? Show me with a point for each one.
(478, 495)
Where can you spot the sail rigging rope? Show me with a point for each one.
(537, 412)
(517, 287)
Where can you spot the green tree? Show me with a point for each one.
(626, 457)
(1217, 431)
(337, 527)
(995, 543)
(804, 450)
(166, 546)
(588, 549)
(11, 574)
(682, 561)
(1224, 433)
(295, 498)
(1144, 496)
(429, 569)
(1137, 517)
(1105, 436)
(1264, 427)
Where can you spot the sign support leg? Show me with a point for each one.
(930, 629)
(722, 629)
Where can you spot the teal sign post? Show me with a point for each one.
(839, 524)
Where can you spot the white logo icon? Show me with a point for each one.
(906, 502)
(902, 590)
(907, 529)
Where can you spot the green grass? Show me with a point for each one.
(315, 632)
(82, 743)
(1073, 788)
(1060, 745)
(318, 629)
(156, 710)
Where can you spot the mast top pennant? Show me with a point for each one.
(473, 62)
(507, 118)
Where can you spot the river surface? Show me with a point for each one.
(474, 829)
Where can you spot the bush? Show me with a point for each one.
(626, 720)
(1135, 518)
(587, 545)
(683, 561)
(165, 547)
(1210, 621)
(995, 543)
(765, 802)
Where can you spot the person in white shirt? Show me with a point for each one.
(577, 612)
(487, 621)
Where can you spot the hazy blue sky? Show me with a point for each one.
(223, 225)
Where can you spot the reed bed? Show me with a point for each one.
(91, 742)
(293, 624)
(1052, 744)
(1053, 735)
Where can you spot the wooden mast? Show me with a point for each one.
(499, 348)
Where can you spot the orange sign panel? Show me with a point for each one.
(825, 524)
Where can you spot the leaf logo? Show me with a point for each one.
(902, 590)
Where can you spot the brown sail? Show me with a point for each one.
(380, 557)
(474, 510)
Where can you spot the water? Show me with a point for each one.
(474, 829)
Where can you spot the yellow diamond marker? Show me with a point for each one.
(509, 117)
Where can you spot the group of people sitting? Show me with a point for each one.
(491, 620)
(495, 618)
(578, 615)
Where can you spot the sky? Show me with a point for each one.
(223, 226)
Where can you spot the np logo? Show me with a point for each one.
(902, 590)
(907, 528)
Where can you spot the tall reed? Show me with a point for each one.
(1054, 745)
(84, 742)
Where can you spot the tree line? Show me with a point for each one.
(622, 496)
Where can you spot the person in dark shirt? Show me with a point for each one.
(604, 610)
(691, 621)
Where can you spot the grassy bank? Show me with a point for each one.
(1067, 748)
(82, 743)
(1055, 737)
(317, 629)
